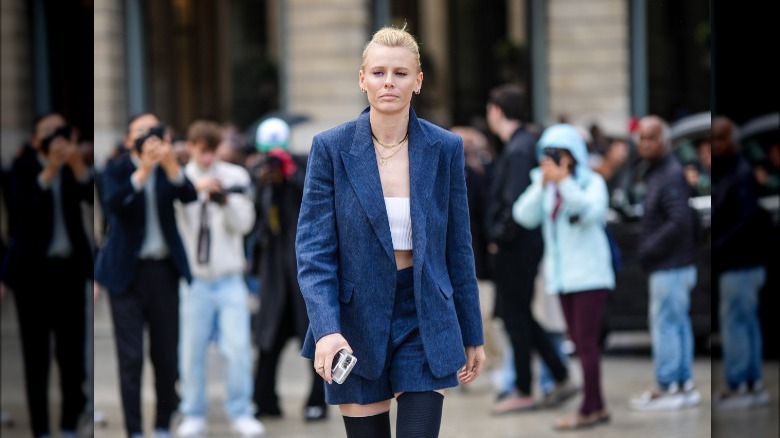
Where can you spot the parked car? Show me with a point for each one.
(627, 306)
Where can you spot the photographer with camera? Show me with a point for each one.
(141, 263)
(213, 229)
(279, 179)
(569, 201)
(47, 265)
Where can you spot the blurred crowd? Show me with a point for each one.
(193, 233)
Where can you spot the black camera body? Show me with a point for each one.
(554, 154)
(271, 162)
(156, 131)
(220, 197)
(64, 131)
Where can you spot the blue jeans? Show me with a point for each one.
(740, 328)
(670, 324)
(223, 300)
(546, 379)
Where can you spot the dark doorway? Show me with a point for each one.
(482, 56)
(69, 38)
(678, 52)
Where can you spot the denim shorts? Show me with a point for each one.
(406, 367)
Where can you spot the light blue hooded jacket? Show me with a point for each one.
(577, 255)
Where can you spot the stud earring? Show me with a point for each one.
(363, 90)
(417, 91)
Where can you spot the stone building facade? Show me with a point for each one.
(235, 60)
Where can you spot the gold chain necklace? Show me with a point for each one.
(391, 146)
(383, 159)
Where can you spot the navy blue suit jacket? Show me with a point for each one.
(346, 263)
(31, 214)
(125, 209)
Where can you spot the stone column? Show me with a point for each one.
(322, 44)
(516, 25)
(15, 78)
(434, 34)
(110, 80)
(588, 59)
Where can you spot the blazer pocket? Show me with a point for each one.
(345, 291)
(445, 286)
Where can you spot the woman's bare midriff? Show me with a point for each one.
(403, 259)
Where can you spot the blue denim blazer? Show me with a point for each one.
(346, 264)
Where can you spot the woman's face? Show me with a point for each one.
(390, 77)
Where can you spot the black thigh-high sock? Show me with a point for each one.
(419, 414)
(374, 426)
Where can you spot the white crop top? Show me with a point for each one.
(400, 218)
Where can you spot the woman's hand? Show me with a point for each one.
(475, 359)
(326, 349)
(552, 172)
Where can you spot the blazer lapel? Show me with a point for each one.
(423, 156)
(360, 164)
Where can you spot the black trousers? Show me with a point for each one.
(516, 269)
(265, 397)
(152, 300)
(52, 305)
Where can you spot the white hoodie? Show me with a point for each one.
(228, 224)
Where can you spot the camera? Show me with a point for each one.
(156, 131)
(220, 197)
(272, 162)
(554, 154)
(343, 363)
(64, 131)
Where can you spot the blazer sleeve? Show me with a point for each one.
(84, 186)
(460, 255)
(118, 192)
(316, 244)
(183, 190)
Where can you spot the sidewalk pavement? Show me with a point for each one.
(466, 410)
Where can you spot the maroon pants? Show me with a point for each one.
(582, 311)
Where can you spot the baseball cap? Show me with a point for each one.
(272, 132)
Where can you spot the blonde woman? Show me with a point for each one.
(385, 262)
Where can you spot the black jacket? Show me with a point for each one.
(125, 210)
(277, 206)
(668, 238)
(31, 214)
(742, 229)
(512, 174)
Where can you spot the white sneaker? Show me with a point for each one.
(247, 425)
(760, 395)
(670, 399)
(739, 398)
(692, 395)
(192, 426)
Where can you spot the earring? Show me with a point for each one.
(363, 90)
(417, 91)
